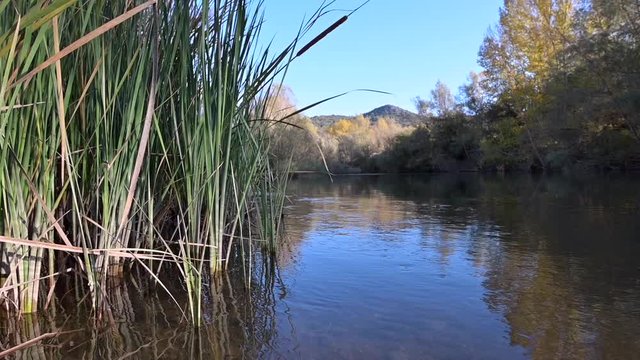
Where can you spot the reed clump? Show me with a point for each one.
(133, 132)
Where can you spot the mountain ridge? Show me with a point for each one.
(399, 115)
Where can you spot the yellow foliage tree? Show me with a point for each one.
(524, 50)
(341, 128)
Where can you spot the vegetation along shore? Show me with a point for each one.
(150, 143)
(134, 136)
(559, 92)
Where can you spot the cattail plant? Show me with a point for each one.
(131, 135)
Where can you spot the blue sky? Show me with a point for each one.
(398, 46)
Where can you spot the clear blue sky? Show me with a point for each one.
(398, 46)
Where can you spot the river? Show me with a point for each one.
(420, 267)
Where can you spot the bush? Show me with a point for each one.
(410, 152)
(455, 137)
(502, 146)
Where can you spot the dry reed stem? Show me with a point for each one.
(27, 344)
(19, 106)
(33, 342)
(60, 93)
(121, 253)
(144, 140)
(15, 286)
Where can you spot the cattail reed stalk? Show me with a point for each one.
(151, 141)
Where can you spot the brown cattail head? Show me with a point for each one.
(322, 35)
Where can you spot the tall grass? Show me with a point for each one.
(133, 133)
(29, 141)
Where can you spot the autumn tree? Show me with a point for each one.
(472, 96)
(280, 102)
(294, 139)
(348, 127)
(520, 56)
(523, 51)
(441, 102)
(596, 101)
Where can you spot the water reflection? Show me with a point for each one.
(429, 267)
(145, 323)
(557, 258)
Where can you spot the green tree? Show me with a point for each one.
(522, 54)
(595, 103)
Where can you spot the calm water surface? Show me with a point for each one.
(419, 267)
(452, 267)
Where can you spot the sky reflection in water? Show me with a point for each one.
(465, 267)
(406, 267)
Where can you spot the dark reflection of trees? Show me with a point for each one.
(559, 254)
(565, 269)
(558, 257)
(567, 281)
(146, 324)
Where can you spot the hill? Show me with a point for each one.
(399, 115)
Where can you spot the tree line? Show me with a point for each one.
(559, 90)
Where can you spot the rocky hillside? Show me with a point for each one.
(399, 115)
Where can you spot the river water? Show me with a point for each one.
(465, 267)
(416, 267)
